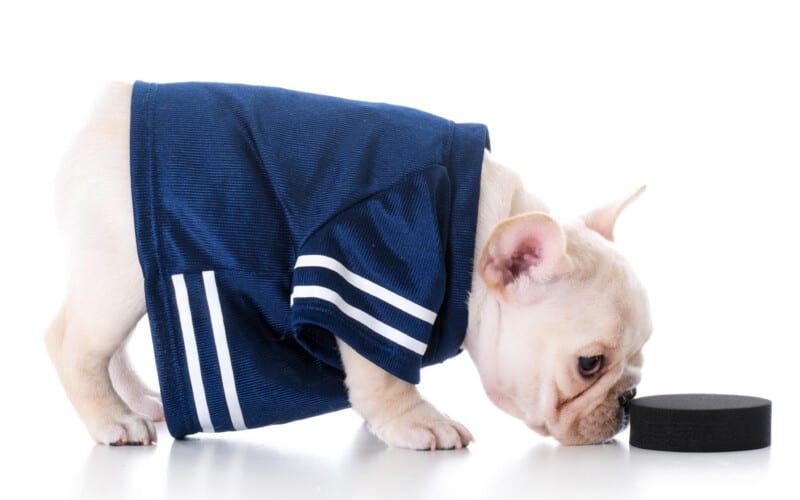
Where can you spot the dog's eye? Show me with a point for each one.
(590, 366)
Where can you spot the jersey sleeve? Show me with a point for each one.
(375, 276)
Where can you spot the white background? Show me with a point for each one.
(700, 100)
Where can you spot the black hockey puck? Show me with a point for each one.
(700, 422)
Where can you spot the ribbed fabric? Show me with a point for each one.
(316, 218)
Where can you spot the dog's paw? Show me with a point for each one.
(424, 428)
(127, 429)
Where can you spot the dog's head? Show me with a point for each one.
(567, 322)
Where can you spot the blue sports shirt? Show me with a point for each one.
(269, 222)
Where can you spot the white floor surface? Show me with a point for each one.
(334, 456)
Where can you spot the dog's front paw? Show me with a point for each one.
(424, 428)
(127, 429)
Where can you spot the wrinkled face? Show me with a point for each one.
(567, 363)
(567, 322)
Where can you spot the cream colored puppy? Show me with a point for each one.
(557, 318)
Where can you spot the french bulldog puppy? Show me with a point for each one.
(556, 316)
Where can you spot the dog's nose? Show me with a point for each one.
(626, 398)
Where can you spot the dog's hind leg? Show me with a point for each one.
(82, 340)
(105, 290)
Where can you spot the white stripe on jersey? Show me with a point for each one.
(367, 286)
(223, 354)
(192, 359)
(221, 347)
(374, 324)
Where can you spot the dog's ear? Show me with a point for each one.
(523, 253)
(604, 218)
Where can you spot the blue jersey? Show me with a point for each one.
(269, 222)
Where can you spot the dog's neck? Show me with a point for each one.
(502, 196)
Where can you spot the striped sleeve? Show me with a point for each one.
(374, 277)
